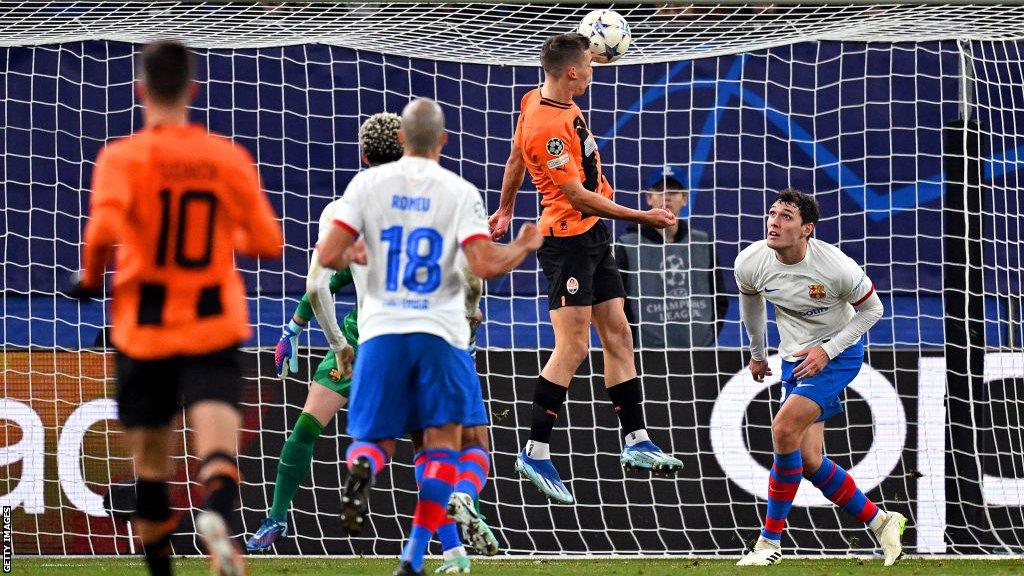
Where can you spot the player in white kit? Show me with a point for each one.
(824, 304)
(414, 370)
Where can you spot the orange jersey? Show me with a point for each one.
(558, 148)
(177, 201)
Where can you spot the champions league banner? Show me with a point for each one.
(701, 406)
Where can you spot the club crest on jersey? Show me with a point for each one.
(572, 285)
(816, 291)
(556, 147)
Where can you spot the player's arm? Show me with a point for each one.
(867, 310)
(259, 232)
(515, 172)
(593, 203)
(754, 315)
(321, 299)
(489, 260)
(108, 205)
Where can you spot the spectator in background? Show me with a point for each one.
(676, 297)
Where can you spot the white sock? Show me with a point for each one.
(763, 543)
(877, 521)
(637, 436)
(538, 450)
(454, 552)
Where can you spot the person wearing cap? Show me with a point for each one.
(676, 296)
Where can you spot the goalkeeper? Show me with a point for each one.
(331, 383)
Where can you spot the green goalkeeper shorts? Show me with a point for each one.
(327, 375)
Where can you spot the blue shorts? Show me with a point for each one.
(409, 382)
(826, 387)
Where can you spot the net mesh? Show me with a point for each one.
(856, 103)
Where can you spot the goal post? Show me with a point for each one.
(859, 103)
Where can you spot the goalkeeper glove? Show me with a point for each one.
(286, 354)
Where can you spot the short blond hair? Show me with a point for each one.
(378, 138)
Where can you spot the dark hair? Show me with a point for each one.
(668, 184)
(378, 138)
(805, 204)
(560, 52)
(167, 69)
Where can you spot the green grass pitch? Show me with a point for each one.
(517, 567)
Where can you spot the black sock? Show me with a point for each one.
(548, 399)
(153, 505)
(628, 398)
(221, 489)
(158, 556)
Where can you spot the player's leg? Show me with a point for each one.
(439, 459)
(838, 486)
(571, 325)
(797, 414)
(328, 393)
(379, 411)
(474, 467)
(147, 400)
(211, 387)
(153, 519)
(622, 381)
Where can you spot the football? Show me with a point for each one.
(608, 33)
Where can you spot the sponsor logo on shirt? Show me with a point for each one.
(560, 161)
(555, 146)
(816, 291)
(572, 285)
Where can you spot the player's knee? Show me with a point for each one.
(574, 348)
(785, 435)
(475, 436)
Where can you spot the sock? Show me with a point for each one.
(220, 491)
(474, 464)
(158, 556)
(537, 450)
(439, 469)
(637, 436)
(377, 456)
(153, 505)
(447, 532)
(293, 467)
(783, 482)
(838, 486)
(628, 400)
(548, 399)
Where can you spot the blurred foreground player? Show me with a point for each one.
(824, 304)
(414, 370)
(178, 202)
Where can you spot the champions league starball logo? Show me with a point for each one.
(677, 283)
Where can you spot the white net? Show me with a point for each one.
(856, 103)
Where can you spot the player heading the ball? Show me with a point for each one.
(553, 142)
(824, 304)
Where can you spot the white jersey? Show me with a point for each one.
(813, 299)
(414, 216)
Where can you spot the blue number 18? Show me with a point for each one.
(417, 261)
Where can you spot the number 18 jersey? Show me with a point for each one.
(414, 216)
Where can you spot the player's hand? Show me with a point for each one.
(759, 369)
(815, 360)
(475, 319)
(499, 223)
(357, 252)
(286, 354)
(529, 237)
(79, 291)
(345, 358)
(658, 218)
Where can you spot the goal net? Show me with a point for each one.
(904, 121)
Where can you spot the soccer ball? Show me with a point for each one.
(608, 34)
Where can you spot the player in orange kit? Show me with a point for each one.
(178, 202)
